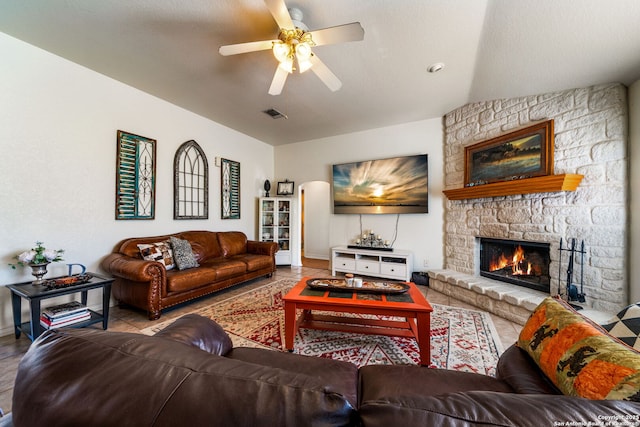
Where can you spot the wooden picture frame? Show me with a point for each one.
(285, 188)
(230, 189)
(520, 154)
(135, 177)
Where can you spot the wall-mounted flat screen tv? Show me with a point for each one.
(385, 186)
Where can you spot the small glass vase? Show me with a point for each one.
(38, 270)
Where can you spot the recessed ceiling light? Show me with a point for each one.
(435, 67)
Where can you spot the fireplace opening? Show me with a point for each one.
(520, 263)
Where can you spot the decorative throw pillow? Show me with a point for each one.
(160, 251)
(578, 356)
(183, 254)
(626, 326)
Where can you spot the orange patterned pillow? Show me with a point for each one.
(578, 356)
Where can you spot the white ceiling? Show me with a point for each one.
(492, 49)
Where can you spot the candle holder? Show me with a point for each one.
(371, 241)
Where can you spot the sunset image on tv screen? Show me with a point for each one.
(396, 185)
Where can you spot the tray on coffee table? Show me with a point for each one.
(378, 287)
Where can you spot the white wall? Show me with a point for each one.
(634, 192)
(58, 128)
(420, 233)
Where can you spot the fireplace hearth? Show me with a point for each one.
(520, 263)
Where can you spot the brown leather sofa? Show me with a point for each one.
(225, 259)
(189, 374)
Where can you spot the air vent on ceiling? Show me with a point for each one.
(275, 114)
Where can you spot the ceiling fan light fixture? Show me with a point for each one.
(281, 51)
(294, 44)
(304, 64)
(287, 65)
(303, 55)
(303, 51)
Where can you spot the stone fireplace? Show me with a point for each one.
(518, 262)
(590, 140)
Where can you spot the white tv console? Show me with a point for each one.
(396, 264)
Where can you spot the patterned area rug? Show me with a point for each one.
(461, 339)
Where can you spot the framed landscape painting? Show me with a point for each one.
(523, 153)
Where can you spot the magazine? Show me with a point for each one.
(67, 321)
(65, 309)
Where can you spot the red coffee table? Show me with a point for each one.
(410, 305)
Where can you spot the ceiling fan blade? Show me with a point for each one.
(278, 81)
(325, 74)
(280, 13)
(235, 49)
(339, 34)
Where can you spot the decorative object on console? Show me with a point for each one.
(523, 153)
(39, 271)
(267, 188)
(65, 282)
(190, 182)
(384, 186)
(357, 285)
(38, 258)
(230, 178)
(83, 269)
(285, 188)
(371, 241)
(135, 177)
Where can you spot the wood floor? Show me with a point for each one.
(128, 320)
(322, 264)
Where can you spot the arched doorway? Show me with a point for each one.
(314, 219)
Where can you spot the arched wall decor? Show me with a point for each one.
(190, 182)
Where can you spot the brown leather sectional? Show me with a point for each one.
(226, 259)
(189, 374)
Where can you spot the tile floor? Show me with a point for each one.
(12, 350)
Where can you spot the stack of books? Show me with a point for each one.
(65, 314)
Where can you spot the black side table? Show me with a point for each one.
(36, 293)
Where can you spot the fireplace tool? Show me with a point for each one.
(572, 289)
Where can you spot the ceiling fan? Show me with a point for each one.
(294, 44)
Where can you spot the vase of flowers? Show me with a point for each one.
(38, 258)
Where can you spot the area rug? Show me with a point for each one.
(461, 339)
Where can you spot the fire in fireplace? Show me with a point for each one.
(521, 263)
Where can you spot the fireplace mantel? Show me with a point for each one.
(538, 184)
